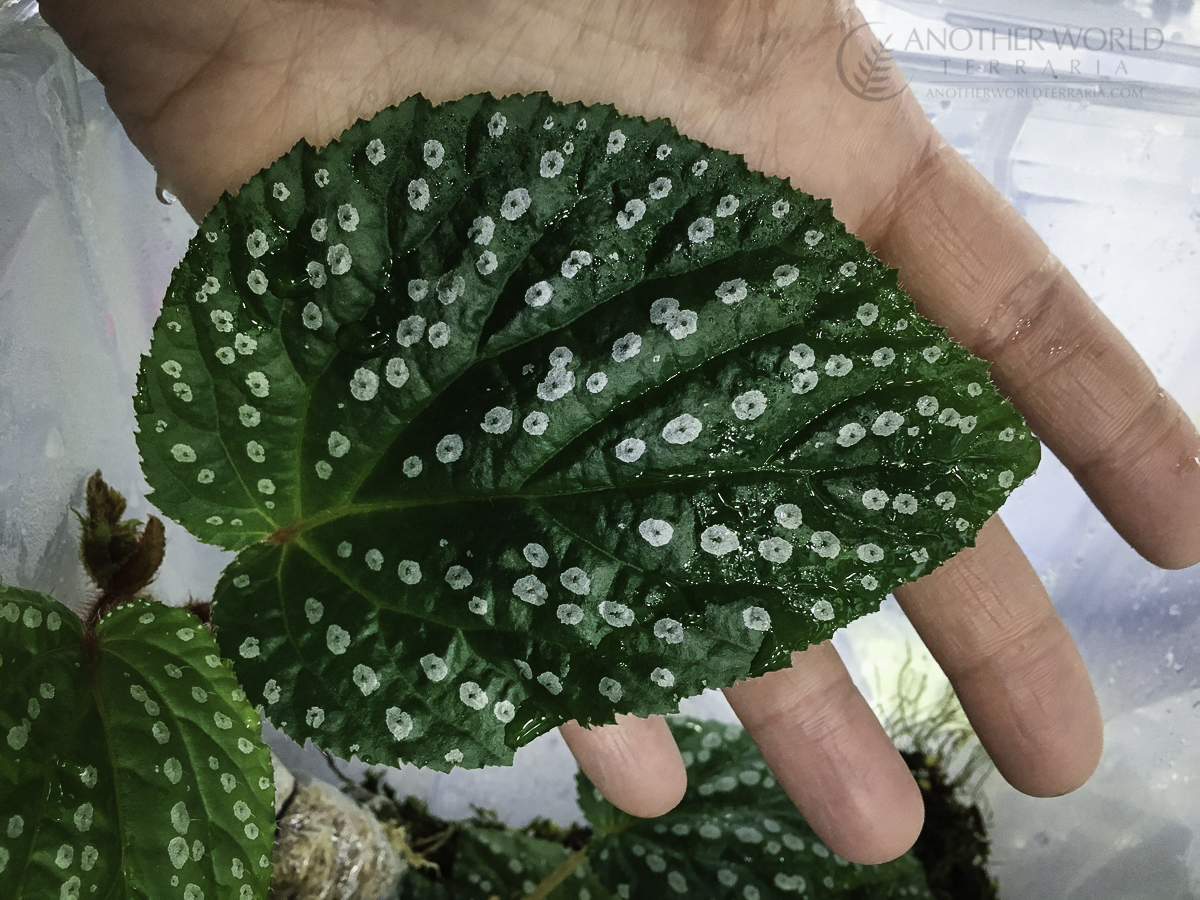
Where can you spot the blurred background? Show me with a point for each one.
(1092, 130)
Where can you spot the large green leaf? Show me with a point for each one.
(132, 765)
(522, 412)
(735, 835)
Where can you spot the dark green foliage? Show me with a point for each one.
(481, 858)
(736, 834)
(520, 412)
(132, 765)
(507, 864)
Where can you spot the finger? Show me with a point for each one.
(828, 751)
(974, 265)
(635, 763)
(988, 622)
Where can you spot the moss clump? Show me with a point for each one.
(953, 846)
(949, 766)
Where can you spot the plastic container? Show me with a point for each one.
(1112, 184)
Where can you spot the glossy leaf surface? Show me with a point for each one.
(735, 835)
(132, 766)
(520, 412)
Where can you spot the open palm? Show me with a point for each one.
(213, 91)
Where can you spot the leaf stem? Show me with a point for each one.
(559, 875)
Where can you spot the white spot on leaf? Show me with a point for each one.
(418, 194)
(749, 405)
(775, 549)
(399, 723)
(539, 294)
(727, 205)
(364, 385)
(825, 543)
(683, 429)
(536, 555)
(366, 679)
(472, 695)
(785, 275)
(337, 639)
(656, 532)
(618, 615)
(633, 213)
(701, 231)
(458, 578)
(874, 499)
(882, 357)
(731, 292)
(789, 516)
(838, 365)
(611, 688)
(515, 204)
(449, 448)
(850, 434)
(551, 164)
(626, 347)
(630, 449)
(530, 589)
(870, 553)
(719, 540)
(576, 581)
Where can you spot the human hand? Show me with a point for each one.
(212, 91)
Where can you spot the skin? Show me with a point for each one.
(213, 90)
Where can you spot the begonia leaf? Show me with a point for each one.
(735, 836)
(132, 765)
(521, 412)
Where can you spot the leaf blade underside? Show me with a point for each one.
(521, 412)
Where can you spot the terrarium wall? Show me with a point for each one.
(86, 250)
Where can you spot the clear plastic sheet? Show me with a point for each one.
(1113, 186)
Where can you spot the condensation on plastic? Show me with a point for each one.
(18, 10)
(331, 848)
(1113, 186)
(86, 251)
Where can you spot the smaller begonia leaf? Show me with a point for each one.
(735, 836)
(132, 765)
